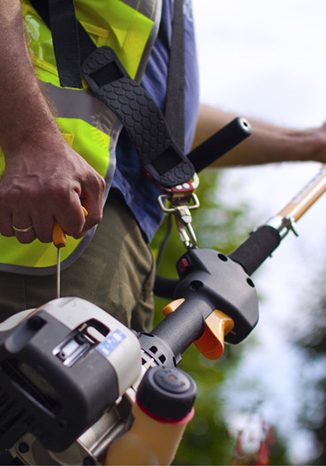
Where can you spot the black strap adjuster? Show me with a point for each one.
(102, 67)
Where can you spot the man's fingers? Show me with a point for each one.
(39, 223)
(94, 206)
(22, 227)
(6, 222)
(71, 218)
(43, 226)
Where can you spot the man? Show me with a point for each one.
(45, 180)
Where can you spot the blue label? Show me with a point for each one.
(111, 342)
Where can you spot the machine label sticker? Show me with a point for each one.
(111, 342)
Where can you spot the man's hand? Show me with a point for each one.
(44, 182)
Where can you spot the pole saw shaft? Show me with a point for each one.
(306, 197)
(263, 241)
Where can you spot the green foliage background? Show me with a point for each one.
(312, 344)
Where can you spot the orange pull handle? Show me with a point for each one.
(217, 326)
(58, 235)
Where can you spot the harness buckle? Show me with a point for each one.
(180, 206)
(184, 189)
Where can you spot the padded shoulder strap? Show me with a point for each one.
(161, 155)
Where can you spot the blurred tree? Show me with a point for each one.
(313, 346)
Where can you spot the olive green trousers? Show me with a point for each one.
(115, 272)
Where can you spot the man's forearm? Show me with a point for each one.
(23, 111)
(267, 144)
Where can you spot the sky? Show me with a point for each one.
(268, 60)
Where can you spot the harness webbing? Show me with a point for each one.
(158, 150)
(65, 41)
(174, 107)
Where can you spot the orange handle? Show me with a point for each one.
(58, 235)
(217, 326)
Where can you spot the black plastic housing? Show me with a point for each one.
(41, 395)
(209, 280)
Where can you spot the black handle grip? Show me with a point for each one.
(221, 142)
(165, 287)
(257, 248)
(181, 328)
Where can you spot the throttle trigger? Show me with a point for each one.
(217, 326)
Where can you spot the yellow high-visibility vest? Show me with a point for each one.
(129, 27)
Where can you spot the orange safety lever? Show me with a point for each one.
(217, 326)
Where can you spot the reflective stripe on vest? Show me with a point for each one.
(129, 27)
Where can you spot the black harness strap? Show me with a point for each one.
(65, 41)
(141, 117)
(174, 108)
(85, 44)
